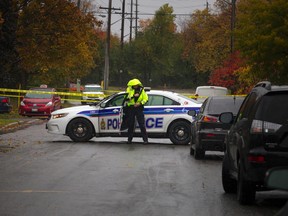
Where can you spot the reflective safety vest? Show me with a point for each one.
(143, 97)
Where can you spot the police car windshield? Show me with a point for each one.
(104, 100)
(190, 99)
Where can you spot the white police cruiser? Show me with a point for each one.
(165, 116)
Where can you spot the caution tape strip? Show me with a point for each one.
(78, 94)
(49, 92)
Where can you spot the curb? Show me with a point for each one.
(18, 125)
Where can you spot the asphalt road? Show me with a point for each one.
(43, 174)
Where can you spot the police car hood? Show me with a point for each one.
(74, 109)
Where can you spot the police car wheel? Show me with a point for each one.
(180, 133)
(80, 130)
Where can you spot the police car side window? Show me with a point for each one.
(168, 101)
(155, 100)
(159, 100)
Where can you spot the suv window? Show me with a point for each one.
(247, 106)
(271, 105)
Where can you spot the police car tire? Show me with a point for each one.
(80, 130)
(173, 129)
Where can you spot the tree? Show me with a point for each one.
(207, 38)
(9, 57)
(153, 51)
(261, 37)
(226, 75)
(56, 42)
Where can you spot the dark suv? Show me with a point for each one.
(207, 132)
(256, 142)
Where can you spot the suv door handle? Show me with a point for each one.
(168, 110)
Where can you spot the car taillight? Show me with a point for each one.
(256, 158)
(209, 119)
(210, 135)
(259, 126)
(5, 100)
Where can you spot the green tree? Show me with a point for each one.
(261, 36)
(151, 55)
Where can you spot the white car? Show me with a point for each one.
(92, 92)
(203, 92)
(165, 116)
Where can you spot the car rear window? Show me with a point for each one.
(229, 104)
(273, 108)
(211, 91)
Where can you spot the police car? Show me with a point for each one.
(165, 116)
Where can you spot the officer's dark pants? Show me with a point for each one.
(138, 113)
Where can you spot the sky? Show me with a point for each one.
(146, 9)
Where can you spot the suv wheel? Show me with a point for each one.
(229, 184)
(246, 191)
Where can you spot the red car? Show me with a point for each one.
(39, 103)
(5, 106)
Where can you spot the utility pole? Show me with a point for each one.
(233, 21)
(107, 48)
(131, 19)
(122, 24)
(136, 19)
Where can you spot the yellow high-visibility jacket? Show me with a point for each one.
(143, 97)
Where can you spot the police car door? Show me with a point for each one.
(159, 111)
(110, 114)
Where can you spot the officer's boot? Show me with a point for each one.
(129, 140)
(145, 139)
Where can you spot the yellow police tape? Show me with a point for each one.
(47, 92)
(78, 94)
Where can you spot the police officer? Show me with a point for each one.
(136, 99)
